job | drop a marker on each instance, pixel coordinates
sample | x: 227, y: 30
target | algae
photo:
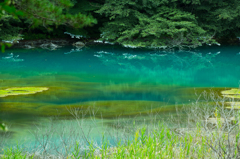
x: 21, y: 91
x: 106, y: 109
x: 232, y: 91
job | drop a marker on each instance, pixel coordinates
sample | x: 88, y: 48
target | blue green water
x: 115, y: 81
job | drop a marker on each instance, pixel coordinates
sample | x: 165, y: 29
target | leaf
x: 2, y: 126
x: 3, y: 48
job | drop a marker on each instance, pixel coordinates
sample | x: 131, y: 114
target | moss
x: 21, y: 91
x: 232, y: 91
x: 107, y: 109
x: 237, y: 96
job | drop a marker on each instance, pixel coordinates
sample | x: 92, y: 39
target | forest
x: 138, y: 23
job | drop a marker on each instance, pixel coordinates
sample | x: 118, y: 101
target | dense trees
x: 142, y: 23
x: 169, y: 23
x: 152, y: 23
x: 35, y: 13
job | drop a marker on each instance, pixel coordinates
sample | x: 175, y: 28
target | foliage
x: 152, y: 24
x: 8, y: 30
x: 38, y: 13
x: 220, y: 17
x: 146, y: 23
x: 45, y: 13
x: 162, y: 24
x: 15, y: 153
x: 2, y: 126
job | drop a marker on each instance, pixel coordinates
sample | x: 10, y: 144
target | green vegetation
x: 202, y: 131
x: 164, y: 24
x: 147, y: 23
x: 21, y: 91
x: 19, y: 16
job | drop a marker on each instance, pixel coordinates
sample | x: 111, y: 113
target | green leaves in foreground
x: 3, y: 46
x: 3, y: 126
x: 21, y: 91
x: 7, y: 7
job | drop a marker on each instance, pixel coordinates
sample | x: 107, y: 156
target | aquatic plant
x: 21, y: 91
x: 233, y: 93
x: 204, y: 131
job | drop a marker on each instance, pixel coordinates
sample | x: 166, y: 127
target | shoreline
x: 39, y: 42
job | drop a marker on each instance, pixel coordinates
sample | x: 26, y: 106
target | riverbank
x: 52, y: 44
x: 206, y: 132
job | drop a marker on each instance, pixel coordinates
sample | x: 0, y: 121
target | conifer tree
x: 45, y: 13
x: 168, y: 24
x: 151, y: 23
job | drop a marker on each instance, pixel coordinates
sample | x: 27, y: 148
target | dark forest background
x: 142, y: 23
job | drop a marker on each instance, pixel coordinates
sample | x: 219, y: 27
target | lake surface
x: 107, y: 82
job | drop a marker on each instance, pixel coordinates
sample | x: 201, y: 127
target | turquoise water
x: 112, y: 80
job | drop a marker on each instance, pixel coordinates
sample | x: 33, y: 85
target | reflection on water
x: 113, y: 81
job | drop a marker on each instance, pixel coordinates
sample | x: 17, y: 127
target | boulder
x: 49, y: 46
x: 79, y: 44
x: 28, y: 46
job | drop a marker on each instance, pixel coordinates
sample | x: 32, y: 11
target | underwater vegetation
x: 234, y: 95
x: 21, y: 91
x: 59, y: 93
x: 204, y: 130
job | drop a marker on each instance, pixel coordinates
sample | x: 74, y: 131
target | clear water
x: 111, y: 80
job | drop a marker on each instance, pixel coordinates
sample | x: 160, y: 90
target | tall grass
x: 203, y: 129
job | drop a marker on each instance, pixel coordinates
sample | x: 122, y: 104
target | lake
x: 105, y: 84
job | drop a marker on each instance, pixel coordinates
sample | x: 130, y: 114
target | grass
x: 204, y: 131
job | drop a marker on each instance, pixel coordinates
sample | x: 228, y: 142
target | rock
x: 49, y: 46
x: 53, y: 46
x: 28, y: 46
x: 79, y: 44
x: 43, y: 45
